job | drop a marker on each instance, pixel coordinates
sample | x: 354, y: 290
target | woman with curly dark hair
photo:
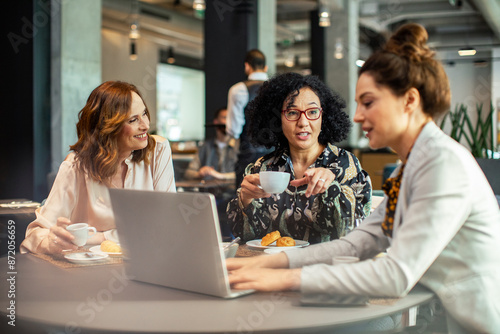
x: 114, y: 150
x: 302, y: 119
x: 438, y: 223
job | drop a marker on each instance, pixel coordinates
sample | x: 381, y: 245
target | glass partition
x: 180, y: 103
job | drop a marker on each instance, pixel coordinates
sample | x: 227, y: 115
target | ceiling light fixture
x: 170, y: 55
x: 199, y: 5
x: 468, y: 51
x: 133, y: 50
x: 134, y: 34
x: 134, y: 31
x: 324, y: 14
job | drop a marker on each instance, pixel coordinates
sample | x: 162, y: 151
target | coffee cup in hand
x: 82, y: 232
x: 274, y: 182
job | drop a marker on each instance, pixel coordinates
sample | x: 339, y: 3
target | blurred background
x: 184, y: 55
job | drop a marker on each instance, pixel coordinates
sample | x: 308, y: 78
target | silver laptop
x: 172, y: 239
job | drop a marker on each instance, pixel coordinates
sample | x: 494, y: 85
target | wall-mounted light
x: 199, y: 5
x: 289, y: 61
x: 468, y: 51
x: 133, y: 50
x: 324, y: 14
x: 170, y: 55
x: 339, y: 49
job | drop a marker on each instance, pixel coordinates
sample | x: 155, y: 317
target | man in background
x: 239, y: 96
x: 216, y: 158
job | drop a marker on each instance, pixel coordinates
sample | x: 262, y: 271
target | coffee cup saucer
x: 85, y: 257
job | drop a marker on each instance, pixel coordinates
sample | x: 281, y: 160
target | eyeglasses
x: 311, y: 114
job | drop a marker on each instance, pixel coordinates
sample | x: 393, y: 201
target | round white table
x: 100, y: 299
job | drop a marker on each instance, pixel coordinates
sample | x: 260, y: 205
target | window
x: 180, y: 103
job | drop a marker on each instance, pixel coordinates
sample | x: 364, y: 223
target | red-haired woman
x: 114, y: 150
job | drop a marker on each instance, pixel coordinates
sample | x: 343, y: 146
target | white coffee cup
x: 344, y: 259
x: 81, y: 232
x: 274, y: 182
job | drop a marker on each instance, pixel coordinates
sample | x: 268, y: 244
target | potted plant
x: 480, y: 139
x: 479, y: 136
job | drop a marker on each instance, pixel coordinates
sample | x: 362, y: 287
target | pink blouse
x: 82, y: 200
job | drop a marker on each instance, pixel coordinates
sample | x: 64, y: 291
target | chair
x: 491, y: 169
x: 388, y: 169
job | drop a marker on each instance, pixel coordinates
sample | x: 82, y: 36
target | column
x: 230, y: 31
x: 341, y: 53
x: 76, y: 68
x: 318, y: 47
x: 266, y: 29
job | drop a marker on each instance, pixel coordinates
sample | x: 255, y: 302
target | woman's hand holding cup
x: 250, y: 189
x: 59, y: 238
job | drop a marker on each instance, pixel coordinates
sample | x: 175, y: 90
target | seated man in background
x: 216, y: 160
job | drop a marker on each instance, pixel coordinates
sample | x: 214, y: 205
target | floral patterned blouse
x: 314, y: 219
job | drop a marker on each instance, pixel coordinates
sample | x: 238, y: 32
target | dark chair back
x: 388, y: 169
x: 491, y: 168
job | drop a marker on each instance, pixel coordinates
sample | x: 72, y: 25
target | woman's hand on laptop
x: 264, y: 279
x: 263, y: 273
x: 279, y: 260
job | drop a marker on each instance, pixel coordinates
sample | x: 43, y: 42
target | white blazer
x: 446, y: 237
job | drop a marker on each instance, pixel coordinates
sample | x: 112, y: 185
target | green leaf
x: 479, y: 135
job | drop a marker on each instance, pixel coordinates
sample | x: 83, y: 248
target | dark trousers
x: 222, y: 200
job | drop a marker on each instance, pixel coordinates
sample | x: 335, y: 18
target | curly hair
x: 264, y: 111
x: 99, y: 126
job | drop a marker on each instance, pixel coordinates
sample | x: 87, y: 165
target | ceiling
x: 451, y: 24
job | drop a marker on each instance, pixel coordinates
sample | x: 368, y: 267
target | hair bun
x: 410, y: 41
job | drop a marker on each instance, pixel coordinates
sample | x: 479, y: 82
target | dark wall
x: 25, y: 86
x: 16, y: 126
x: 230, y: 31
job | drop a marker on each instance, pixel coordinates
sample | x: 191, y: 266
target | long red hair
x: 98, y: 127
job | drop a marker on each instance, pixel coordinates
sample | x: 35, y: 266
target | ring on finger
x: 55, y: 239
x: 322, y: 180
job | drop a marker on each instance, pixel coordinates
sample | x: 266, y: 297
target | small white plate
x: 97, y: 250
x: 257, y: 244
x: 85, y: 257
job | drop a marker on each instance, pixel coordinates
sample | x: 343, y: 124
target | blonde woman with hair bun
x: 439, y: 222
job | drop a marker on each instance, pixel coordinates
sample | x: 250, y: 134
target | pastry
x: 109, y: 246
x: 285, y: 242
x: 270, y: 238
